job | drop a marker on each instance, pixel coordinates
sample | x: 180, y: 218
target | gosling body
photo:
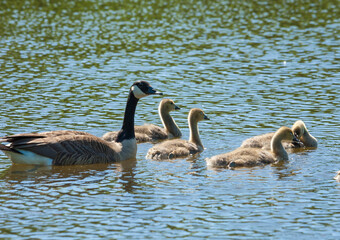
x: 249, y: 157
x: 179, y: 148
x: 299, y: 129
x: 151, y: 132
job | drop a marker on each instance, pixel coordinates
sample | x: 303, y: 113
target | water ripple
x: 252, y: 66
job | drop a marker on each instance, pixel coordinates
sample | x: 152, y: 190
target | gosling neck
x: 308, y: 140
x: 194, y: 133
x: 277, y: 148
x: 128, y: 131
x: 169, y: 123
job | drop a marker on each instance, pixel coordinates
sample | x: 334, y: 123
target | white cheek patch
x: 137, y: 92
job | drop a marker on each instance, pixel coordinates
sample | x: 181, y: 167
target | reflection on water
x: 63, y: 176
x: 253, y: 66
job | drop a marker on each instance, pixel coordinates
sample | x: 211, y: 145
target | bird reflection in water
x: 63, y: 176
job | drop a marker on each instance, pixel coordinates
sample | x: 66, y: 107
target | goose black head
x: 142, y: 89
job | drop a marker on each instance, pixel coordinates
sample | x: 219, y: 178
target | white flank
x: 28, y: 158
x: 137, y: 92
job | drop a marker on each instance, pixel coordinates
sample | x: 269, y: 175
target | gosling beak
x: 152, y: 91
x: 206, y: 117
x: 295, y: 139
x: 177, y: 108
x: 296, y: 142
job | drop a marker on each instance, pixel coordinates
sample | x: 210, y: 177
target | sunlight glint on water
x: 252, y: 67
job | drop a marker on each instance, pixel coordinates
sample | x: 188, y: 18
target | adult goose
x: 300, y: 131
x: 75, y: 147
x: 248, y: 157
x: 151, y: 132
x: 179, y: 148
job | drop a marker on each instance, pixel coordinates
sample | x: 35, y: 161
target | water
x: 251, y: 66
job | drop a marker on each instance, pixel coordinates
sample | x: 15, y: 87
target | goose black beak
x: 206, y: 117
x: 152, y: 91
x: 177, y: 108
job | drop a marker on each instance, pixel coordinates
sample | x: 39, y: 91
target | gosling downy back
x: 179, y: 148
x: 249, y: 157
x: 305, y: 139
x: 76, y: 147
x: 151, y: 132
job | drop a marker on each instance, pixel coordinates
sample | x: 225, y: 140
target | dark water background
x: 253, y: 66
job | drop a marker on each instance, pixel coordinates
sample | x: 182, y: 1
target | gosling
x: 151, y: 132
x: 249, y: 157
x: 300, y: 131
x: 180, y: 148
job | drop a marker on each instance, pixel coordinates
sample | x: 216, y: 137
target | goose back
x: 65, y: 148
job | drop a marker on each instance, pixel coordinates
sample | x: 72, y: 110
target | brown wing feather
x: 67, y: 147
x: 85, y: 150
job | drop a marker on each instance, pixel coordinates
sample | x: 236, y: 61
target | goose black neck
x: 128, y: 128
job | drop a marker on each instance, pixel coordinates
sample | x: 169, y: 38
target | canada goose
x: 75, y: 147
x: 300, y: 131
x: 247, y: 157
x: 176, y: 148
x: 151, y: 132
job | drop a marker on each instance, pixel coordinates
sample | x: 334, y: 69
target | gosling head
x: 198, y: 114
x: 299, y: 128
x: 142, y: 89
x: 287, y: 134
x: 168, y: 105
